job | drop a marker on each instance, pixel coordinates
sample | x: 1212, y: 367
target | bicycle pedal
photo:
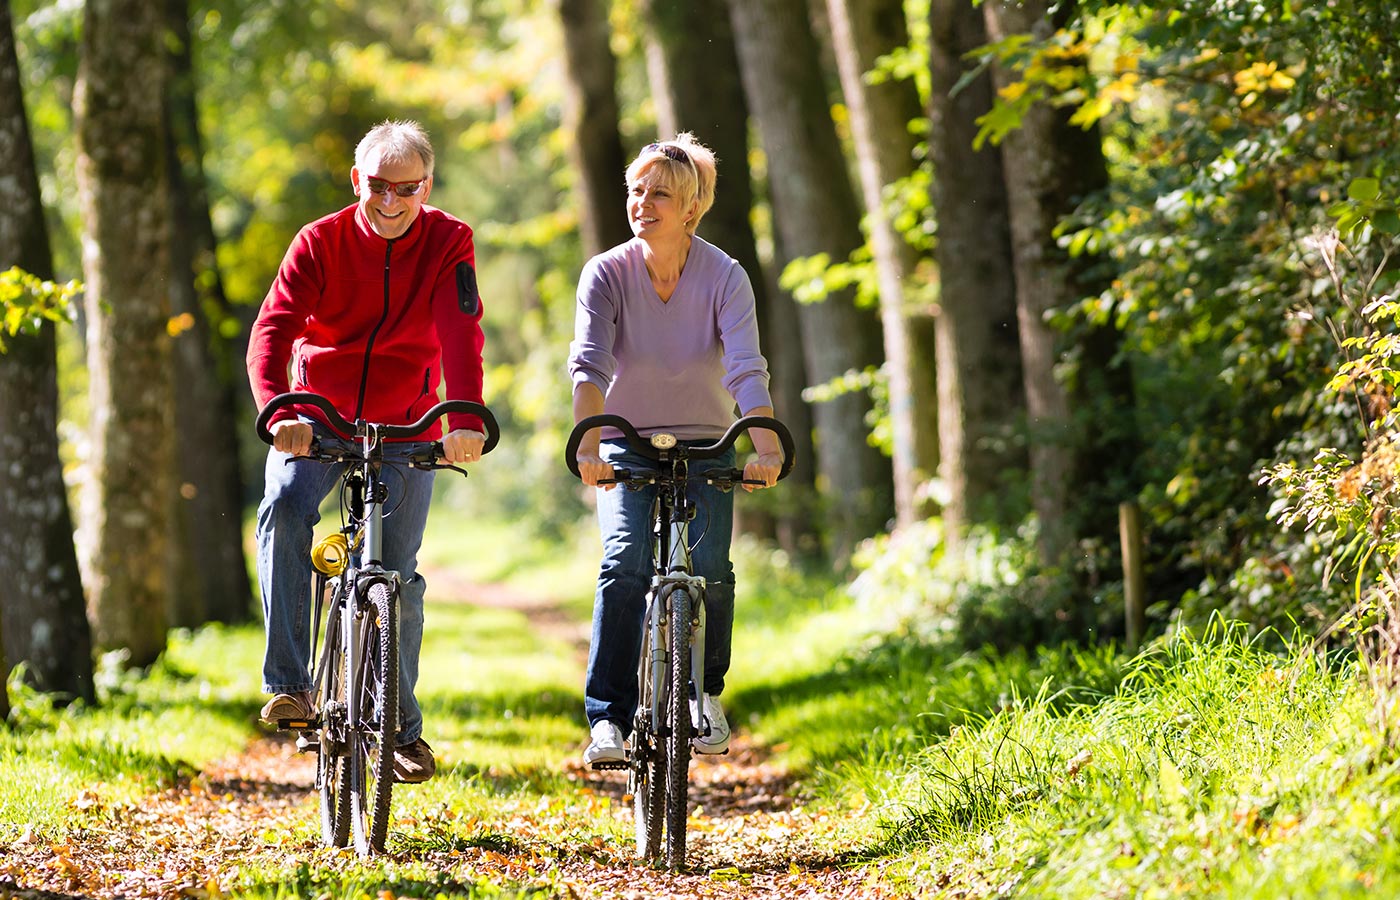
x: 610, y: 765
x: 295, y: 724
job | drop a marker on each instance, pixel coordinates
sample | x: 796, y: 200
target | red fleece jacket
x: 372, y: 324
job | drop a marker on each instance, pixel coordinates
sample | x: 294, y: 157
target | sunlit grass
x: 194, y: 706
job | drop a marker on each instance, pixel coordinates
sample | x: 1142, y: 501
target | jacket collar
x: 408, y: 239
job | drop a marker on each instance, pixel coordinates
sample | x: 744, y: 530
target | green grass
x: 1207, y: 766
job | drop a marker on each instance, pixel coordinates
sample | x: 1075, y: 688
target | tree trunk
x: 862, y: 31
x: 42, y: 614
x: 592, y: 116
x: 979, y: 373
x: 815, y: 211
x: 211, y: 572
x: 689, y: 36
x: 1051, y: 166
x: 123, y: 194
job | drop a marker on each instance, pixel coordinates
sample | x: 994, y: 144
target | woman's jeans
x: 287, y: 516
x: 624, y: 517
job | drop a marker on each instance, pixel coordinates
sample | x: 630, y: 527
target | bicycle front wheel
x: 332, y: 774
x: 371, y: 750
x: 647, y: 779
x: 677, y: 734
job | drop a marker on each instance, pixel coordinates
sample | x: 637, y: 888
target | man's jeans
x: 287, y: 516
x: 624, y: 517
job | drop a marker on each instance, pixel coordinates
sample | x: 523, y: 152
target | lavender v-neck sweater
x: 679, y: 366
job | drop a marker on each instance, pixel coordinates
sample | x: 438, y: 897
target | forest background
x: 1023, y: 269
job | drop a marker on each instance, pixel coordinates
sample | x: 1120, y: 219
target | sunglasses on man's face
x: 670, y: 151
x: 379, y: 185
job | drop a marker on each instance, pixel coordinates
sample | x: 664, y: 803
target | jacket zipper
x: 369, y: 345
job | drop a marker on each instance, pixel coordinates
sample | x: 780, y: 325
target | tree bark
x: 123, y: 194
x: 211, y: 571
x: 978, y: 358
x: 592, y: 117
x: 815, y: 211
x: 43, y: 621
x: 862, y: 31
x: 694, y: 72
x: 1052, y: 166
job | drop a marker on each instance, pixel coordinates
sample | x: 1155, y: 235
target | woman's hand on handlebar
x: 592, y: 469
x: 765, y: 468
x: 291, y: 436
x: 463, y: 445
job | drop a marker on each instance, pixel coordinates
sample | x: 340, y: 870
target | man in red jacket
x: 371, y: 306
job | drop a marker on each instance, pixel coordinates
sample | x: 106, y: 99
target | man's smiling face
x: 387, y: 213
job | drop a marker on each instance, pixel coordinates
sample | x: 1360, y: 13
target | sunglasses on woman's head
x: 670, y: 151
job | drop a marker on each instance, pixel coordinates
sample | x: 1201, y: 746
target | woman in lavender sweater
x: 665, y: 336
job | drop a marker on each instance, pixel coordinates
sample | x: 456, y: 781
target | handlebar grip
x: 276, y: 404
x: 634, y: 440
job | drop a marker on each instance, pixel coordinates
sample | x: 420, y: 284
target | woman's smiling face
x: 654, y: 211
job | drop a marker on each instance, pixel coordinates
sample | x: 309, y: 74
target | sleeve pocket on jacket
x: 468, y: 298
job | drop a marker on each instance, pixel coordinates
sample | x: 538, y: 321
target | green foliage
x: 993, y: 593
x: 1215, y: 768
x: 26, y: 302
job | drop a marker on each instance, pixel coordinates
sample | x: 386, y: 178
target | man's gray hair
x: 397, y: 142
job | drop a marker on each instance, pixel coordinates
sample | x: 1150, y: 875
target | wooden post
x: 1130, y: 535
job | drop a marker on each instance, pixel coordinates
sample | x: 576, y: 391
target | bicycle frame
x: 671, y: 568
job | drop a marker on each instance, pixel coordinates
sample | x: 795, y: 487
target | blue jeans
x: 287, y: 517
x: 619, y: 606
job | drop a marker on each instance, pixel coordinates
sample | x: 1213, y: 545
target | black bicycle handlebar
x: 344, y: 426
x: 709, y: 451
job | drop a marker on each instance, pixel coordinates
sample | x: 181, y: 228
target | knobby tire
x: 648, y: 775
x: 332, y: 775
x: 372, y: 744
x: 677, y: 728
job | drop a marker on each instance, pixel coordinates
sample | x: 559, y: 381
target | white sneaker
x: 606, y: 749
x: 717, y: 741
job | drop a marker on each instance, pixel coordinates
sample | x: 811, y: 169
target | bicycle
x: 356, y: 682
x: 671, y: 666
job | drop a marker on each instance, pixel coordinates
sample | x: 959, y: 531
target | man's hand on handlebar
x: 463, y: 445
x: 291, y: 436
x: 765, y: 468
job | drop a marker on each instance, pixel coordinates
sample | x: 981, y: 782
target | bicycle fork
x: 659, y: 625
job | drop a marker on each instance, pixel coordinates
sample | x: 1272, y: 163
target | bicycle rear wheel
x: 332, y: 777
x: 371, y: 740
x: 677, y: 735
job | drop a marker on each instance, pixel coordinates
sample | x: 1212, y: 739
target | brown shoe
x: 287, y: 707
x: 414, y: 763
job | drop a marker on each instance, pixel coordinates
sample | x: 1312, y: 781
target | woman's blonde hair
x: 682, y: 165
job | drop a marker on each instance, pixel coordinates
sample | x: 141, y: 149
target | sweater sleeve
x: 591, y: 358
x: 745, y: 369
x: 457, y: 316
x: 282, y: 319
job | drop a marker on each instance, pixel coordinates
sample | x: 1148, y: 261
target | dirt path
x: 748, y: 837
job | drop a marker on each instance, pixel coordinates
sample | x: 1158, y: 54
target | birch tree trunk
x: 815, y: 211
x: 979, y: 369
x: 123, y: 193
x: 43, y: 622
x: 862, y: 31
x: 211, y: 570
x: 694, y: 72
x: 592, y: 117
